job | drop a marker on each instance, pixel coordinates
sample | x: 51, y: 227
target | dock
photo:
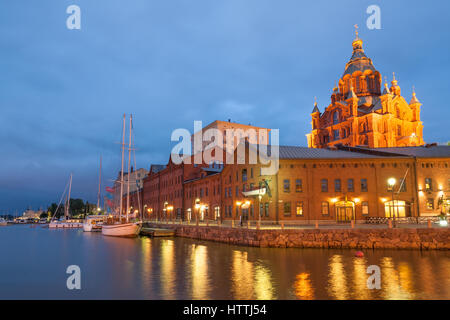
x: 157, y: 232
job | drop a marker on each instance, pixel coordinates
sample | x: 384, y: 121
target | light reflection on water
x: 34, y: 260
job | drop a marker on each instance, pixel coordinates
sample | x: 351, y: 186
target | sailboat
x: 123, y: 227
x: 66, y: 223
x: 95, y: 222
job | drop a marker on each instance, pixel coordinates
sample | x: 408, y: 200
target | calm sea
x: 33, y: 263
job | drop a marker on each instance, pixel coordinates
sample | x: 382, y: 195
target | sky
x: 63, y: 92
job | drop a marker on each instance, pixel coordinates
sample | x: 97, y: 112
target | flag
x: 109, y: 189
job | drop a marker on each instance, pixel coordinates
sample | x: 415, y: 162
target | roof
x: 155, y: 168
x: 420, y: 152
x: 294, y: 152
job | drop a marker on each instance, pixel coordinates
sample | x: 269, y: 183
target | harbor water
x: 34, y: 261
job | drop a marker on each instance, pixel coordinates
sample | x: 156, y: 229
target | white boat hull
x: 121, y: 230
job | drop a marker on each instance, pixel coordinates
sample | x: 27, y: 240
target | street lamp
x: 391, y: 183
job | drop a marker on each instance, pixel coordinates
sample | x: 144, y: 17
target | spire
x: 316, y: 109
x: 335, y: 88
x: 357, y: 43
x: 395, y: 88
x: 414, y: 99
x: 351, y: 93
x: 394, y: 81
x: 386, y: 88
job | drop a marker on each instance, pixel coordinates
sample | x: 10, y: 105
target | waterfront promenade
x: 422, y: 236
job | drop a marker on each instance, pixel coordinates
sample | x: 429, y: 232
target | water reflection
x: 199, y: 271
x: 337, y: 279
x: 168, y: 269
x: 177, y: 268
x: 303, y: 287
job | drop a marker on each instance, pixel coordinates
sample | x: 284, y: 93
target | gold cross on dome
x: 356, y: 30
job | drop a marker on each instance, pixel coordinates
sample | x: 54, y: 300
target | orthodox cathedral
x: 360, y: 114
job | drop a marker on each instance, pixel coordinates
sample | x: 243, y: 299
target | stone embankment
x: 407, y: 238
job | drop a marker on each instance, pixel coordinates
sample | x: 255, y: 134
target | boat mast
x: 129, y: 173
x: 121, y: 171
x: 99, y: 183
x: 68, y: 197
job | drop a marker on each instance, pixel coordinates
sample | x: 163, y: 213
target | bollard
x: 429, y: 223
x: 390, y: 224
x: 353, y: 224
x: 282, y: 225
x: 317, y: 224
x: 257, y: 225
x: 248, y: 224
x: 207, y: 223
x: 232, y: 223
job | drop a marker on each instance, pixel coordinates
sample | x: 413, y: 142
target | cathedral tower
x: 360, y: 114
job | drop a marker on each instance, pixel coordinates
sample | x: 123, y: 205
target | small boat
x: 3, y: 222
x: 94, y: 223
x: 130, y: 229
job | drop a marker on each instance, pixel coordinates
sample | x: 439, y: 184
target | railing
x: 306, y: 224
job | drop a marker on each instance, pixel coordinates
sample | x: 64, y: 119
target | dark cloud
x: 62, y: 92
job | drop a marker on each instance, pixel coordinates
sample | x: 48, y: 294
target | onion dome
x: 359, y: 60
x: 414, y: 99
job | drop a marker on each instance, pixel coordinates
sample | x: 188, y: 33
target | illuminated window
x: 298, y: 185
x: 325, y: 208
x: 430, y: 204
x: 266, y: 209
x: 428, y: 184
x: 287, y: 208
x: 299, y: 208
x: 365, y: 207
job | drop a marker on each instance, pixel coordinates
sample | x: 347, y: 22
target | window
x: 237, y: 191
x: 430, y: 204
x: 325, y: 208
x: 336, y: 117
x: 299, y: 209
x: 298, y: 185
x: 201, y: 192
x: 365, y: 207
x: 251, y: 172
x: 206, y: 191
x: 266, y: 209
x: 286, y: 185
x: 244, y: 175
x: 336, y: 135
x: 364, y: 187
x: 251, y: 210
x: 237, y: 175
x: 350, y: 185
x: 261, y: 209
x: 337, y: 185
x: 237, y: 211
x: 428, y: 184
x: 324, y: 185
x: 244, y: 187
x: 287, y: 209
x: 399, y: 130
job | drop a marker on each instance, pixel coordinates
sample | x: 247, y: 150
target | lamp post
x: 391, y: 183
x: 259, y: 210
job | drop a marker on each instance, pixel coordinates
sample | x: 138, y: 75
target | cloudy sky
x: 63, y: 92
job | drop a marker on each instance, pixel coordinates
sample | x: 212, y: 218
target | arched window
x: 336, y: 117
